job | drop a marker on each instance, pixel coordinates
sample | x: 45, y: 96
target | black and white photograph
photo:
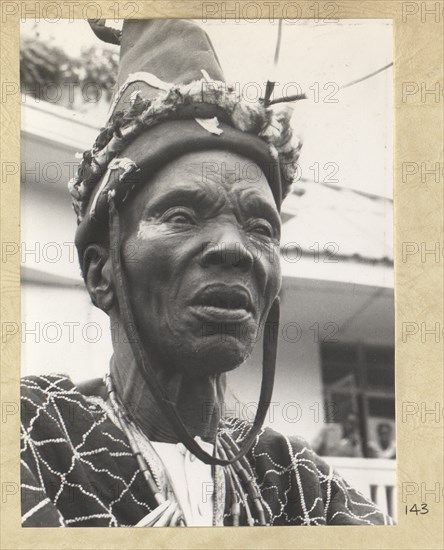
x: 207, y: 286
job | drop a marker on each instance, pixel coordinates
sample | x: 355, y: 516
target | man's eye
x: 261, y: 227
x: 180, y: 217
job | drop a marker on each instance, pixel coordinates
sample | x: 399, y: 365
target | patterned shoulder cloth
x: 302, y: 489
x: 78, y: 469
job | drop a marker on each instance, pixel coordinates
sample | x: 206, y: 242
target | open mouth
x: 224, y: 303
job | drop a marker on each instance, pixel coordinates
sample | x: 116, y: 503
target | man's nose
x: 227, y: 251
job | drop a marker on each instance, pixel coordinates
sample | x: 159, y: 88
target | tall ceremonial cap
x: 171, y: 99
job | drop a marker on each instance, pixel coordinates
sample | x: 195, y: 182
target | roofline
x: 58, y: 111
x: 307, y: 182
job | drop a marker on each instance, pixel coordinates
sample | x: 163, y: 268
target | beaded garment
x: 78, y: 469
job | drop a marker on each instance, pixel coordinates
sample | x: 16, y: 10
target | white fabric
x: 191, y: 479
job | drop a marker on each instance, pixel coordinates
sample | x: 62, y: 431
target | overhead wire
x: 366, y: 77
x: 298, y: 97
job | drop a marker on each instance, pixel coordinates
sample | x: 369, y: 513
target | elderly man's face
x: 200, y: 249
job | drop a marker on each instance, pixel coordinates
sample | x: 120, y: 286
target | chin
x: 214, y: 356
x: 228, y: 357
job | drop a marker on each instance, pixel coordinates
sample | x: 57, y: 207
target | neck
x: 199, y: 400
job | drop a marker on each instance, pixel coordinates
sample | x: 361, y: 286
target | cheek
x: 146, y: 266
x: 149, y: 230
x: 154, y: 266
x: 151, y: 250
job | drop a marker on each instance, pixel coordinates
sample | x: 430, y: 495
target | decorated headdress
x: 172, y: 99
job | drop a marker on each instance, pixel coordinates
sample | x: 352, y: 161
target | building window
x: 358, y: 382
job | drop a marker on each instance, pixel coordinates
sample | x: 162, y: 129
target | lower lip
x: 221, y: 315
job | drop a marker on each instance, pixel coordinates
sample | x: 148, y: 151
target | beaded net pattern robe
x: 78, y: 469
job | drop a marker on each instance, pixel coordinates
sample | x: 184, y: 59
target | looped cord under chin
x: 158, y: 391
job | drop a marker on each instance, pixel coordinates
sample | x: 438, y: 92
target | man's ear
x: 98, y: 277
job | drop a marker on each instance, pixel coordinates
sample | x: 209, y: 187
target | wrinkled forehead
x: 204, y: 175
